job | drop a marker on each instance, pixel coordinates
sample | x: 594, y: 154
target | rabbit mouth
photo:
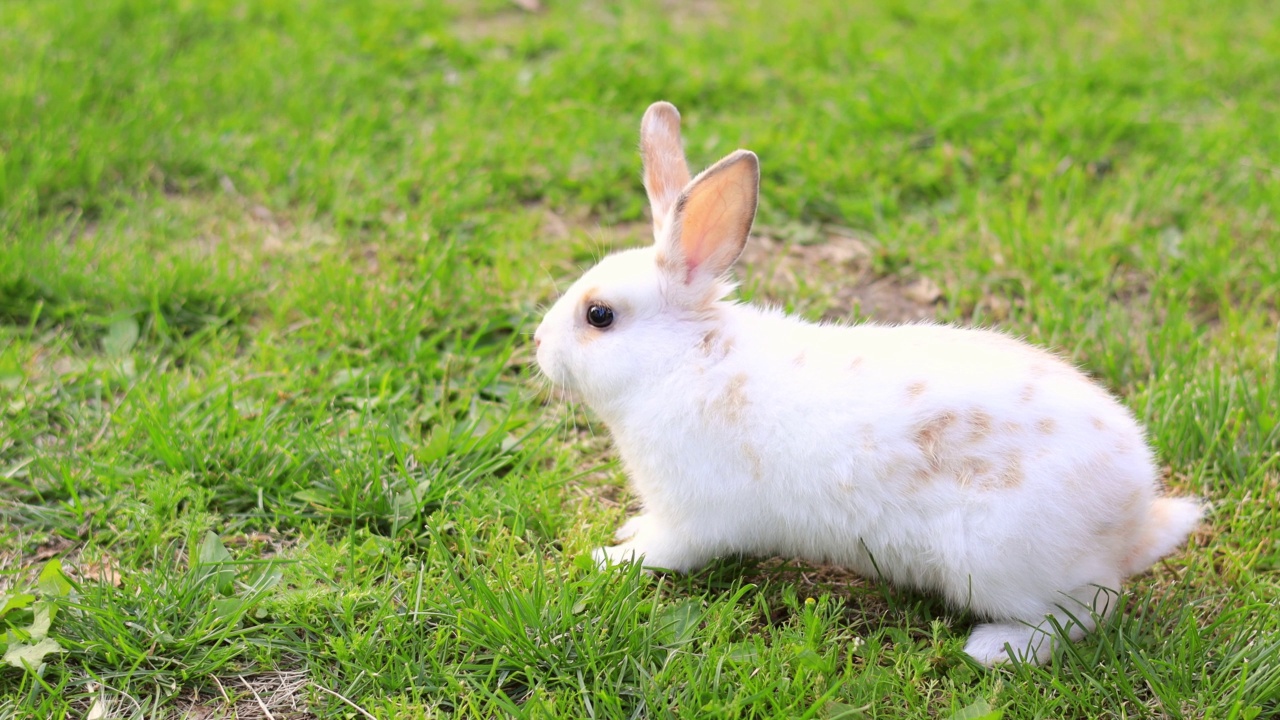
x: 555, y: 372
x: 548, y: 368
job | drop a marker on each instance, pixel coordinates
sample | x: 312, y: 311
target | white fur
x: 959, y: 461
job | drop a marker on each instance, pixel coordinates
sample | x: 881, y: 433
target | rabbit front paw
x: 998, y: 643
x: 616, y: 555
x: 645, y: 543
x: 631, y: 528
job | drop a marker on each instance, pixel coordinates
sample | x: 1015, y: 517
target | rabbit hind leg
x: 1075, y: 615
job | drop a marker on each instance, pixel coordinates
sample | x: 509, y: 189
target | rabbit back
x: 927, y: 454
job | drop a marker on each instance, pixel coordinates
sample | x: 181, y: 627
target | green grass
x: 269, y: 270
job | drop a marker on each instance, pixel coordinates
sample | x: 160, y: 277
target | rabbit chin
x: 605, y: 378
x: 583, y: 373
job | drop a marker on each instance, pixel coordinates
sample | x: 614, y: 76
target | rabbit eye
x: 599, y: 316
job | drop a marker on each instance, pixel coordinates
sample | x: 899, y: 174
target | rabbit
x: 957, y: 461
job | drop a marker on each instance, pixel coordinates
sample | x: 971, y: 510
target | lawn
x: 272, y: 443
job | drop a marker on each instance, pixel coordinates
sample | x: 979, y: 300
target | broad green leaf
x: 743, y: 652
x: 435, y: 447
x: 319, y: 498
x: 679, y: 622
x: 842, y: 711
x: 812, y: 660
x: 213, y: 552
x: 121, y: 336
x: 584, y: 562
x: 22, y: 655
x: 228, y: 608
x: 14, y: 602
x: 52, y: 582
x: 41, y: 618
x: 408, y: 502
x: 266, y: 578
x: 979, y: 710
x: 44, y: 612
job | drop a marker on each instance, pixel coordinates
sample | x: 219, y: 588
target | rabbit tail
x: 1169, y: 523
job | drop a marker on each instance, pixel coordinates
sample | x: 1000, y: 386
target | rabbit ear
x: 665, y: 170
x: 712, y: 220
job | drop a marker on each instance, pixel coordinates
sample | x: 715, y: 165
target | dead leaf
x: 54, y: 546
x: 104, y: 570
x: 923, y: 290
x: 21, y: 655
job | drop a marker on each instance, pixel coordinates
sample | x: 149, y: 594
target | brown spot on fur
x: 1076, y: 478
x: 1010, y: 427
x: 911, y: 468
x: 708, y: 345
x: 971, y: 468
x: 921, y: 477
x: 709, y: 341
x: 868, y: 438
x: 1097, y: 423
x: 979, y: 424
x: 800, y: 359
x: 1010, y: 475
x: 928, y: 437
x: 665, y: 263
x: 1039, y: 370
x: 707, y: 303
x: 1028, y: 392
x: 753, y: 459
x: 732, y: 401
x: 847, y: 487
x: 916, y: 389
x: 855, y: 363
x: 1046, y: 426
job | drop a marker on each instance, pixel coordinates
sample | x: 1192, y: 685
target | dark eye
x: 599, y: 316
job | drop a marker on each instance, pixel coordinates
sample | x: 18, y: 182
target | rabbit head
x: 638, y: 310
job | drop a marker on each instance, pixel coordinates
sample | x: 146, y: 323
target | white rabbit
x: 958, y: 461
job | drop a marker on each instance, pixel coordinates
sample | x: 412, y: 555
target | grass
x: 269, y: 271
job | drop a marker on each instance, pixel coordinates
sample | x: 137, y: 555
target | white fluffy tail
x: 1170, y: 522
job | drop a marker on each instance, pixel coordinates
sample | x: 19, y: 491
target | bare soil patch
x: 264, y: 696
x: 511, y: 22
x: 836, y: 273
